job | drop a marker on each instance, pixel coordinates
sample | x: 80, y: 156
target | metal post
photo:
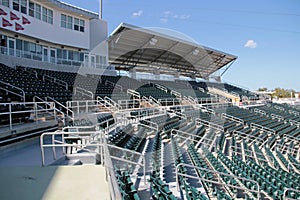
x: 10, y: 117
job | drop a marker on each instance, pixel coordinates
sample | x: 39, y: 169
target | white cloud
x: 250, y: 44
x: 170, y: 15
x: 164, y: 20
x: 137, y: 14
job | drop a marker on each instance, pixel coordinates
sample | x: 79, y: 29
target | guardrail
x: 34, y: 108
x: 115, y: 85
x: 230, y: 117
x: 69, y: 113
x: 215, y: 182
x: 134, y: 93
x: 289, y: 189
x: 84, y: 92
x: 210, y: 124
x: 17, y: 88
x: 56, y: 81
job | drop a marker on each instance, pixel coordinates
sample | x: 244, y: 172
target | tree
x: 283, y: 93
x: 263, y: 89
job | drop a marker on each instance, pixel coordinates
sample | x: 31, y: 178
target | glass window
x: 63, y: 21
x: 47, y: 15
x: 70, y: 56
x: 23, y: 6
x: 64, y: 54
x: 59, y: 53
x: 34, y: 10
x: 31, y: 9
x: 69, y: 22
x: 38, y: 49
x: 16, y: 5
x: 44, y: 14
x: 4, y: 3
x: 78, y: 25
x: 82, y: 25
x: 81, y: 56
x: 32, y: 47
x: 37, y: 13
x: 19, y: 44
x: 50, y: 16
x: 26, y: 46
x: 76, y: 56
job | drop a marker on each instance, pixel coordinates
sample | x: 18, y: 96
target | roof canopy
x: 145, y: 50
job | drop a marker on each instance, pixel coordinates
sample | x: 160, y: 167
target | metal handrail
x: 55, y: 80
x: 210, y: 124
x: 23, y: 96
x: 289, y: 189
x: 84, y: 92
x: 134, y: 93
x: 112, y: 102
x: 68, y: 110
x: 216, y: 182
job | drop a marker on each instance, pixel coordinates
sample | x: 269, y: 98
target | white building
x: 60, y: 35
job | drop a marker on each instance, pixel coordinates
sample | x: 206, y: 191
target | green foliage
x: 263, y: 89
x: 283, y: 93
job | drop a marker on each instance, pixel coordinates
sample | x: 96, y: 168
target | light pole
x: 101, y: 9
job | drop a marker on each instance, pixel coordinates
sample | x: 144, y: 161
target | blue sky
x: 264, y: 34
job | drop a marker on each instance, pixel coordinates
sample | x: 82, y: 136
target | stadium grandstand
x: 131, y: 115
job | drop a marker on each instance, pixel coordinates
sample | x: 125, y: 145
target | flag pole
x: 100, y: 11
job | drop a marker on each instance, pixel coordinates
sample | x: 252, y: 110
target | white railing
x: 177, y: 94
x: 293, y: 122
x: 232, y: 118
x: 115, y: 85
x: 17, y: 88
x: 163, y: 88
x: 196, y: 168
x: 210, y: 124
x: 31, y: 111
x: 134, y: 93
x: 169, y: 102
x: 111, y: 102
x: 268, y: 130
x: 273, y: 116
x: 56, y: 81
x: 83, y: 106
x: 69, y: 113
x: 256, y: 110
x: 84, y: 92
x: 129, y: 103
x: 156, y: 102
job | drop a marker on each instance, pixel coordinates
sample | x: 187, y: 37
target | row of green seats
x: 237, y: 171
x: 160, y: 190
x: 127, y: 188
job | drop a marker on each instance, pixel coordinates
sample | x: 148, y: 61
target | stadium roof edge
x: 75, y: 9
x: 147, y: 30
x: 142, y: 48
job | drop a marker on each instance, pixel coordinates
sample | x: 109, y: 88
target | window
x: 20, y: 5
x: 34, y: 10
x: 66, y: 21
x: 19, y: 44
x: 72, y: 23
x: 101, y: 60
x: 23, y: 6
x: 78, y: 25
x: 16, y: 5
x: 47, y: 15
x: 4, y: 3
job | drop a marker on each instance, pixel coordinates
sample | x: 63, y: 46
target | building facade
x: 52, y: 32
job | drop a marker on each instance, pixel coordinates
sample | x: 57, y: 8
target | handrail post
x: 10, y: 117
x: 42, y: 149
